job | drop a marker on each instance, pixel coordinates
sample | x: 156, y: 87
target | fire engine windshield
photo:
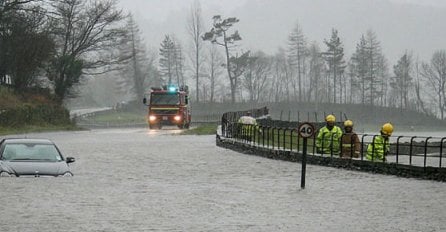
x: 165, y: 99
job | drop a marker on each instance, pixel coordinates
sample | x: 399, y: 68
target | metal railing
x: 402, y: 150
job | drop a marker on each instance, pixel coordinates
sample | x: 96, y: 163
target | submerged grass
x: 204, y: 129
x: 117, y: 117
x: 34, y: 128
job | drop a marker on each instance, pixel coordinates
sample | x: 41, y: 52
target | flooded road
x: 141, y: 180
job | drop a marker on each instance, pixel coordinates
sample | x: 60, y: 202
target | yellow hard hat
x: 348, y: 123
x: 387, y: 129
x: 330, y: 118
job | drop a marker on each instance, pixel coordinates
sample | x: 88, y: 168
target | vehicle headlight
x: 177, y: 118
x: 67, y: 174
x: 152, y: 118
x: 5, y: 174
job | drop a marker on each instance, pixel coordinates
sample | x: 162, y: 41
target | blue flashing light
x: 172, y: 89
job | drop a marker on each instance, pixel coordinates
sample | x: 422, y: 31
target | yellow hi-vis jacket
x: 327, y: 140
x: 248, y: 123
x: 377, y: 149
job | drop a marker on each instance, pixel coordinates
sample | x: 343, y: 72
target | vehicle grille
x: 161, y: 111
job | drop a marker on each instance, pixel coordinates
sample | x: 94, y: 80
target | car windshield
x: 165, y: 99
x: 43, y: 152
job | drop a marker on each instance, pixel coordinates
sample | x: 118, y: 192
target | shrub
x: 30, y: 109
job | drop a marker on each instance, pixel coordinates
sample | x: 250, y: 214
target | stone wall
x: 430, y: 173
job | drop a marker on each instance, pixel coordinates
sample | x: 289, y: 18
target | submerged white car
x: 32, y: 157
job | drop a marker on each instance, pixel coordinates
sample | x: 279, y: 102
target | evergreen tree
x: 374, y: 58
x: 370, y: 70
x: 178, y: 63
x: 335, y: 59
x: 297, y: 52
x: 235, y: 65
x: 167, y: 59
x: 354, y: 85
x: 134, y: 74
x: 360, y: 67
x: 316, y: 67
x: 384, y: 76
x: 25, y: 43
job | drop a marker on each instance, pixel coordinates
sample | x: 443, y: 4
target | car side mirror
x: 70, y: 160
x: 144, y: 101
x: 186, y: 100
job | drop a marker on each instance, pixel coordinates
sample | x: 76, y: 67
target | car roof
x: 27, y: 140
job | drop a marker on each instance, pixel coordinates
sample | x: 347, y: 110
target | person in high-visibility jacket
x: 248, y: 126
x: 327, y: 140
x: 380, y: 146
x: 350, y: 142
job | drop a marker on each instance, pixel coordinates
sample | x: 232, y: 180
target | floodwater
x: 141, y: 180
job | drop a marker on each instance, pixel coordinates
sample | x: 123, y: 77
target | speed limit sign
x: 306, y: 130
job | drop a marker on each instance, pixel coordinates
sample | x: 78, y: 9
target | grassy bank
x: 119, y: 117
x: 33, y: 110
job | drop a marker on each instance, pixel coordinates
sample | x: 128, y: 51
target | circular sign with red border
x: 306, y: 130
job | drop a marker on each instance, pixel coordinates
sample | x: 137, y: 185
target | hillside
x: 365, y: 117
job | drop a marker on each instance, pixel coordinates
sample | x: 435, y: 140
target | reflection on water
x: 165, y: 130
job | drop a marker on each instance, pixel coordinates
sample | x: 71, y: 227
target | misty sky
x: 414, y: 25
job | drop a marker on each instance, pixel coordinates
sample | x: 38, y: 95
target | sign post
x: 306, y: 130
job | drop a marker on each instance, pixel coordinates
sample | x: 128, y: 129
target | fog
x: 413, y: 25
x: 400, y: 27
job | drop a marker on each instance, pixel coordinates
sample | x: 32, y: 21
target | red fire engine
x: 168, y: 105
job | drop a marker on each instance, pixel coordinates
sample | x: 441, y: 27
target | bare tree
x: 214, y: 65
x: 435, y: 75
x: 255, y: 76
x: 14, y: 5
x: 195, y: 29
x: 418, y: 88
x: 86, y: 34
x: 402, y: 80
x: 277, y: 84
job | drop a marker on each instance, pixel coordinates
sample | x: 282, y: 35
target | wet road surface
x: 141, y: 180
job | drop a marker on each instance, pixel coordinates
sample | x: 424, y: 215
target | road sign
x: 306, y: 130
